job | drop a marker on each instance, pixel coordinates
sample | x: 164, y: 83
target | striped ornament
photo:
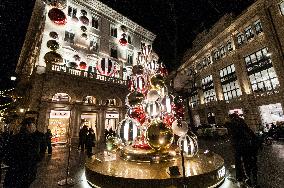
x: 128, y: 130
x: 153, y: 109
x: 106, y: 67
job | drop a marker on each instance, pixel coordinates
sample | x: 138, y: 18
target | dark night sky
x: 192, y: 17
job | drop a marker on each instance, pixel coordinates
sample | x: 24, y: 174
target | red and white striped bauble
x: 139, y: 83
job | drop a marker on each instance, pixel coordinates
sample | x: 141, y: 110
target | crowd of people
x: 87, y: 139
x: 21, y: 151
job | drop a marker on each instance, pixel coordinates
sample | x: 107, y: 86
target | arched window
x: 111, y: 102
x: 61, y: 97
x: 89, y: 100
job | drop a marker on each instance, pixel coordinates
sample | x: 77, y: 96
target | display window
x: 112, y: 119
x: 58, y: 124
x: 271, y: 113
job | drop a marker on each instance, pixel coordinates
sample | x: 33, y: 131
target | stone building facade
x: 238, y: 67
x: 74, y: 65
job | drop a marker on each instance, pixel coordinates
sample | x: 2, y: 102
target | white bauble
x: 180, y: 127
x: 153, y: 95
x: 188, y: 145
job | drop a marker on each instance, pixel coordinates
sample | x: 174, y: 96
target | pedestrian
x: 48, y: 136
x: 82, y: 137
x: 40, y: 138
x: 22, y: 156
x: 91, y: 138
x: 245, y: 144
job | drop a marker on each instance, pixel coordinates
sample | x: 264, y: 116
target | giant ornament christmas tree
x: 154, y: 125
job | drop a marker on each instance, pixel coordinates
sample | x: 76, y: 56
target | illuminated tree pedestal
x: 109, y: 170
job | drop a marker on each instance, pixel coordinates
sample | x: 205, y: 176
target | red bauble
x: 130, y: 85
x: 137, y: 113
x: 84, y: 20
x: 83, y: 65
x: 178, y: 110
x: 57, y: 16
x: 169, y: 119
x: 123, y: 41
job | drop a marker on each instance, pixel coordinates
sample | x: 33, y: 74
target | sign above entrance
x: 59, y: 114
x: 112, y: 115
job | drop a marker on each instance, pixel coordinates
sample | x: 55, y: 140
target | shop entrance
x: 90, y: 120
x: 238, y: 111
x: 58, y: 124
x: 271, y: 113
x: 112, y: 119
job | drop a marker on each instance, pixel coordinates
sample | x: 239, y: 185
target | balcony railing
x: 81, y: 73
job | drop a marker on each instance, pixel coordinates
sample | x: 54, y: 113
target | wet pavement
x: 271, y: 166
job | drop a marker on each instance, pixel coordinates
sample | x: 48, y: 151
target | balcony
x: 83, y: 74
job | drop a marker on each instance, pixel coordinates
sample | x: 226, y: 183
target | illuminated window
x: 129, y: 57
x: 113, y: 31
x: 110, y: 102
x: 208, y: 89
x: 241, y: 39
x: 229, y: 46
x: 216, y: 55
x: 229, y: 82
x: 69, y: 37
x: 258, y: 27
x: 94, y: 43
x: 89, y: 100
x: 260, y: 71
x: 61, y: 97
x: 72, y: 11
x: 95, y: 22
x: 222, y: 51
x: 249, y: 33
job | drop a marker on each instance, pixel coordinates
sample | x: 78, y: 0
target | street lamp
x: 13, y: 78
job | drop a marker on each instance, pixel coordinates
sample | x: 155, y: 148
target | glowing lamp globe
x: 128, y: 130
x: 180, y: 127
x: 188, y: 145
x: 82, y: 65
x: 159, y: 136
x: 57, y: 16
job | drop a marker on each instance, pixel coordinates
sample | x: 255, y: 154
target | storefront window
x: 272, y: 113
x: 90, y: 120
x: 112, y: 119
x: 59, y: 124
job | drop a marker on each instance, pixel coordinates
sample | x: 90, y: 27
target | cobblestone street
x: 271, y: 165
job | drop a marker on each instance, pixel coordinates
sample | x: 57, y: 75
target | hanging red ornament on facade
x: 178, y: 110
x: 106, y: 67
x: 83, y: 65
x: 168, y: 119
x: 123, y: 41
x: 57, y: 16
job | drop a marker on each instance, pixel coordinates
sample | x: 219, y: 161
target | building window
x: 222, y: 51
x: 129, y: 39
x: 216, y: 55
x: 261, y: 72
x: 61, y: 97
x: 72, y: 11
x: 94, y: 44
x: 249, y: 33
x: 281, y: 6
x: 69, y: 37
x: 194, y: 100
x: 113, y: 52
x: 229, y: 46
x: 229, y: 82
x: 208, y: 89
x: 129, y: 58
x: 113, y: 31
x: 241, y: 39
x: 258, y: 27
x: 95, y: 22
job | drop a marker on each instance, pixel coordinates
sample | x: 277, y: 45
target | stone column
x: 42, y: 122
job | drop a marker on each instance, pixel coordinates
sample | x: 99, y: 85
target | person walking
x: 91, y: 138
x: 82, y: 137
x: 48, y: 136
x: 245, y: 145
x: 22, y: 157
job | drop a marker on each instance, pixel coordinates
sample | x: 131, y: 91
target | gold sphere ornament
x: 159, y: 136
x: 158, y: 81
x: 188, y: 145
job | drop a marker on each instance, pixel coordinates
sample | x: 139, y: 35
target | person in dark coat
x: 82, y: 137
x: 245, y: 146
x: 48, y: 136
x: 40, y: 138
x: 91, y: 138
x: 22, y: 157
